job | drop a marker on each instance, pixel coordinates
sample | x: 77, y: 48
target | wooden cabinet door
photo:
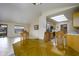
x: 76, y: 43
x: 76, y: 19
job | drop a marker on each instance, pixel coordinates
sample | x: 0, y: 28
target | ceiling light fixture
x: 59, y: 18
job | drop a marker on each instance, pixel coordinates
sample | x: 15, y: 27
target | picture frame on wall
x: 36, y: 27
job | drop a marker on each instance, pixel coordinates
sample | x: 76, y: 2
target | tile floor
x: 6, y: 48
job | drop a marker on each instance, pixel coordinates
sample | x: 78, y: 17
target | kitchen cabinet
x: 76, y: 19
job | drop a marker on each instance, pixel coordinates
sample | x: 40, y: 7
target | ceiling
x: 27, y: 12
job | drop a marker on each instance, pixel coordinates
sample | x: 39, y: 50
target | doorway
x: 64, y: 28
x: 3, y: 30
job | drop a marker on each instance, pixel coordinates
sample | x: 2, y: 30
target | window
x: 3, y: 30
x: 18, y: 29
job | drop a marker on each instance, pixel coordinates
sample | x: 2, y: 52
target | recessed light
x: 59, y: 18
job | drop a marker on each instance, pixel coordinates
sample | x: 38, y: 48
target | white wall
x: 41, y: 21
x: 11, y: 25
x: 34, y: 33
x: 42, y: 26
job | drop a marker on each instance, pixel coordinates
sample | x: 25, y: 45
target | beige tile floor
x: 6, y: 48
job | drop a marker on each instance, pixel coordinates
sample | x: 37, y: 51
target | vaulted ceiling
x: 27, y: 12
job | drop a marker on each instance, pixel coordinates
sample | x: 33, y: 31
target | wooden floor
x: 35, y: 47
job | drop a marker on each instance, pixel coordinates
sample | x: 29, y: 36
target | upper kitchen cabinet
x: 76, y: 19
